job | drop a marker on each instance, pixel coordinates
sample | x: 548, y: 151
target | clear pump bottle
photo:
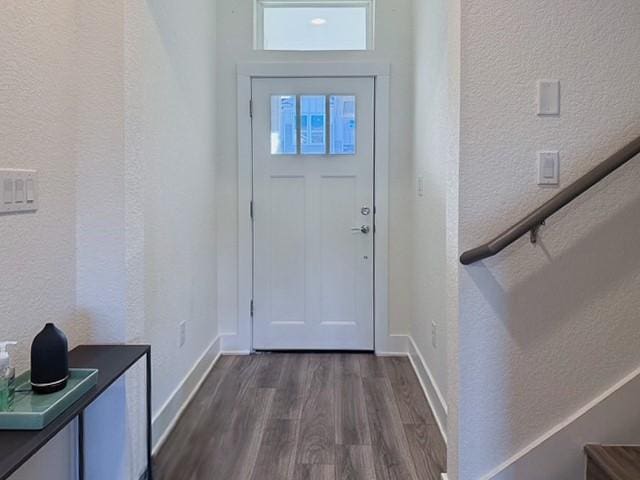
x: 7, y: 378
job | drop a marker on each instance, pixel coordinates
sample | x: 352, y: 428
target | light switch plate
x: 548, y: 168
x: 548, y: 97
x: 19, y: 191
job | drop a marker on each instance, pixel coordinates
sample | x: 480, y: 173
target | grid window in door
x: 309, y: 133
x: 343, y: 124
x: 313, y: 124
x: 284, y: 131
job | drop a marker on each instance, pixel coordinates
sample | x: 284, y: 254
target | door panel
x: 287, y: 253
x: 313, y: 175
x: 338, y: 250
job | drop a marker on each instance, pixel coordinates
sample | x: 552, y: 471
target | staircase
x: 613, y: 462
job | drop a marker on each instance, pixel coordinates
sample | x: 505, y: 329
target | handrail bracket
x: 533, y: 235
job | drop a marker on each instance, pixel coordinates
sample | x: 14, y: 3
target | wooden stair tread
x: 619, y: 462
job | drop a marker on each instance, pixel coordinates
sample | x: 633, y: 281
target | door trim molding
x: 241, y: 340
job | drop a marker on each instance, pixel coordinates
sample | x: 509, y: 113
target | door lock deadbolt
x: 365, y: 211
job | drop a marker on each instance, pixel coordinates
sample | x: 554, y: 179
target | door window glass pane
x: 284, y: 132
x: 313, y: 124
x: 343, y: 124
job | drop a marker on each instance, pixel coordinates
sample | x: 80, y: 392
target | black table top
x: 112, y: 361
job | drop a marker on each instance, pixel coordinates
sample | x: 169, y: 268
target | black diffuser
x: 49, y: 360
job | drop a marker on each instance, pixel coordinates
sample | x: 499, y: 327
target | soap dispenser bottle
x: 7, y: 378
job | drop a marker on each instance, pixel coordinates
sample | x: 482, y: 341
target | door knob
x: 363, y: 229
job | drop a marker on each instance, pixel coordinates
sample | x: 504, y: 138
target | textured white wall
x: 37, y: 125
x: 452, y: 214
x: 431, y: 137
x: 99, y: 150
x: 393, y: 45
x: 108, y: 233
x: 545, y: 329
x: 113, y: 103
x: 37, y: 256
x: 170, y: 85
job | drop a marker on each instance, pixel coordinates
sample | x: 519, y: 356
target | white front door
x: 313, y: 171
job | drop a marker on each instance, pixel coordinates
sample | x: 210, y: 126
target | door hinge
x: 251, y: 209
x: 251, y: 308
x: 250, y: 108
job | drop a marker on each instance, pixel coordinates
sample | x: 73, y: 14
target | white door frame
x: 241, y: 341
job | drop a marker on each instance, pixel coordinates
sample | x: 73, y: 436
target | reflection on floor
x: 306, y: 416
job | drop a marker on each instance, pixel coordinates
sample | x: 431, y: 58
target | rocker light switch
x: 19, y: 198
x: 7, y: 191
x: 19, y: 191
x: 30, y: 186
x: 548, y: 168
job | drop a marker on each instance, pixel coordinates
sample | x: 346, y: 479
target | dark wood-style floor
x: 306, y: 417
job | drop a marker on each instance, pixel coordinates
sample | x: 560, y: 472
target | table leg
x: 81, y: 445
x: 149, y: 432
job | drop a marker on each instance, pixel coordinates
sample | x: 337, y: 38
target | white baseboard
x: 429, y: 386
x: 236, y: 352
x: 611, y: 418
x: 445, y: 476
x: 166, y: 418
x: 392, y: 346
x: 234, y: 344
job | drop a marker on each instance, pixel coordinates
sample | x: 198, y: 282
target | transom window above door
x: 314, y: 25
x: 306, y: 124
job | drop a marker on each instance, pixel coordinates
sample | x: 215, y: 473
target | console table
x: 112, y: 361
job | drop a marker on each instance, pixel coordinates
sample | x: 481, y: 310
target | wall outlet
x: 183, y: 333
x: 434, y: 334
x: 420, y: 186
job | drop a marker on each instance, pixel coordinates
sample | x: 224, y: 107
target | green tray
x: 34, y: 412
